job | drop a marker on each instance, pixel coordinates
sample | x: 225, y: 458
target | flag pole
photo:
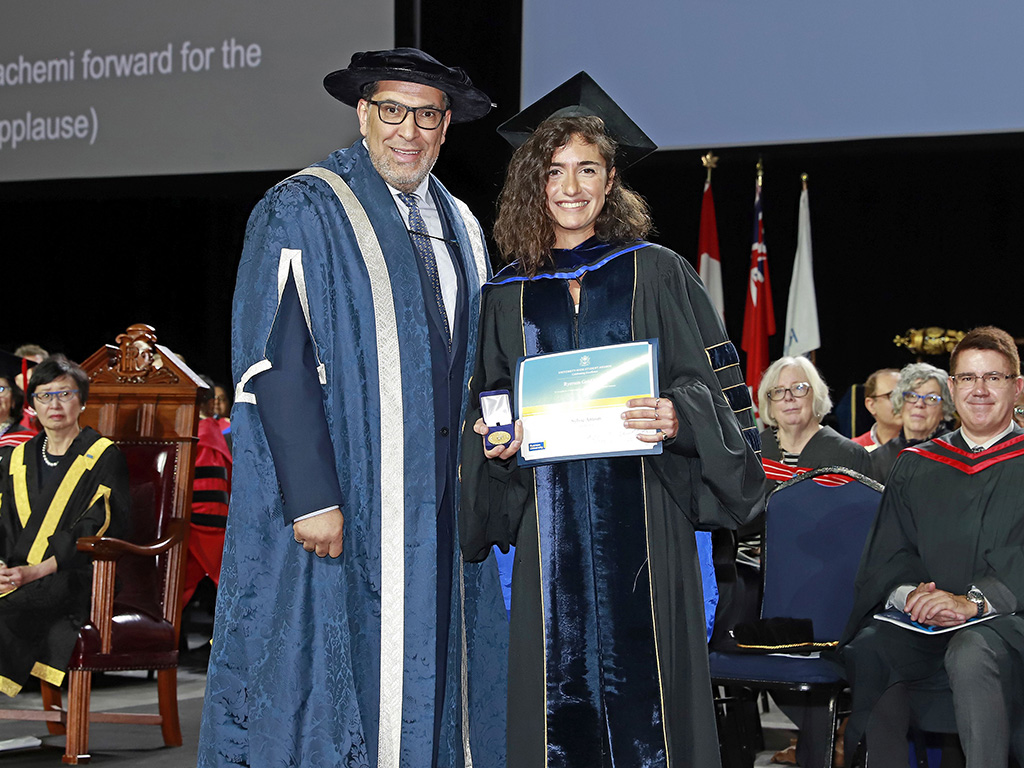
x: 710, y: 161
x: 813, y: 354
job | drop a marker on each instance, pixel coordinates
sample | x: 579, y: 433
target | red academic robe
x: 210, y: 494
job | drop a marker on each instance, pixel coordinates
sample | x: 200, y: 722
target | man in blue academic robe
x: 348, y: 631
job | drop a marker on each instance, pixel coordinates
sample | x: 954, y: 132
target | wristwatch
x: 975, y: 596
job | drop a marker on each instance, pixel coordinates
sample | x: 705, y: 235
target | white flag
x: 802, y: 335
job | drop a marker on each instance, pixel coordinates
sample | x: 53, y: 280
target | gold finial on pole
x: 760, y: 171
x: 710, y: 161
x: 803, y: 179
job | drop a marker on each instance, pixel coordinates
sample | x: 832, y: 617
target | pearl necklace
x: 46, y: 459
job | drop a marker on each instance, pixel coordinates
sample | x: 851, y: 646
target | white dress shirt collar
x: 446, y: 274
x: 989, y: 443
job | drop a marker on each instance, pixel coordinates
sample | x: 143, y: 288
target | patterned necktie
x: 425, y: 250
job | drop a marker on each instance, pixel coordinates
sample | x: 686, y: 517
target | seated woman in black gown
x: 925, y: 406
x: 608, y: 661
x: 65, y: 483
x: 12, y: 403
x: 793, y: 399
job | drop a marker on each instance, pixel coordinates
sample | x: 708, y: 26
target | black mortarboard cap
x: 10, y: 365
x: 577, y: 96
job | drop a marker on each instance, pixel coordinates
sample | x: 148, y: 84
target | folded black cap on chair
x: 779, y: 634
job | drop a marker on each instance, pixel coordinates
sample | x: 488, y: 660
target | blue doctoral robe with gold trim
x: 608, y: 661
x: 296, y: 672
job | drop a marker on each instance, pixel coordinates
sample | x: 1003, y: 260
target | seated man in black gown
x: 948, y: 549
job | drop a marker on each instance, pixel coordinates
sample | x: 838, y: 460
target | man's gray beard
x: 401, y: 183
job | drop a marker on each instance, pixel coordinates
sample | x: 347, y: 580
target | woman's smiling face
x: 578, y: 181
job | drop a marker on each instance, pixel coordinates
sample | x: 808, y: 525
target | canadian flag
x: 709, y: 263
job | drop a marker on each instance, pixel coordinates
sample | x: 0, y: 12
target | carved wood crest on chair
x: 144, y: 398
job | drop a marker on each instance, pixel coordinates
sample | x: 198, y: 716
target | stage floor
x: 138, y: 744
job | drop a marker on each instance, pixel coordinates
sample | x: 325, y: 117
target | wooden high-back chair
x: 144, y: 398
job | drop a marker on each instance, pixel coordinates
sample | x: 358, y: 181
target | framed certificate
x: 571, y: 403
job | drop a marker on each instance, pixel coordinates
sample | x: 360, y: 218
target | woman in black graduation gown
x: 65, y: 483
x: 794, y: 399
x: 12, y: 403
x: 923, y: 401
x: 608, y: 658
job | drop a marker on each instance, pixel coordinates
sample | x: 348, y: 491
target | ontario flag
x: 709, y: 263
x: 759, y: 316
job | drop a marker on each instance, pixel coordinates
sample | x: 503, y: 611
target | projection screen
x: 124, y: 88
x: 707, y: 73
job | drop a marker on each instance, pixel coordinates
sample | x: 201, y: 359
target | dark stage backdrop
x: 907, y: 232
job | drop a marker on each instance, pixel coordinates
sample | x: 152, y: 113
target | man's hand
x: 935, y: 607
x: 321, y: 533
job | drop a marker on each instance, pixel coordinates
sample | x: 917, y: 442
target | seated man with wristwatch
x: 947, y: 549
x: 900, y: 598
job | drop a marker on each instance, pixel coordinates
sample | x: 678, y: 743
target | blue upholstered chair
x: 814, y: 536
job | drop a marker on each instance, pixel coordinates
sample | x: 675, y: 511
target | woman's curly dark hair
x: 524, y: 231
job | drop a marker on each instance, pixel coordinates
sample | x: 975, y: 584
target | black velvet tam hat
x: 10, y: 365
x: 413, y: 66
x: 578, y: 96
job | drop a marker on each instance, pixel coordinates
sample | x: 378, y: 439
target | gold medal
x: 499, y: 438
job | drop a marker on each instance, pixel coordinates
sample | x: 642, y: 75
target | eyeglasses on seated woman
x: 793, y: 400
